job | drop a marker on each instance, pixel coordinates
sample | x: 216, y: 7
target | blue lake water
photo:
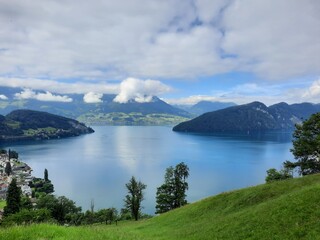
x: 97, y: 166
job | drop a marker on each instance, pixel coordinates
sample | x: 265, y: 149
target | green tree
x: 274, y: 175
x: 8, y: 169
x: 172, y: 194
x: 13, y: 198
x: 46, y: 179
x: 306, y: 146
x: 61, y: 208
x: 135, y: 197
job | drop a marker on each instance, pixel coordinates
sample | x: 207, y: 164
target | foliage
x: 306, y: 146
x: 172, y: 194
x: 13, y: 198
x: 274, y: 175
x: 42, y: 186
x: 61, y: 208
x: 8, y: 169
x: 280, y: 210
x: 26, y: 216
x: 46, y: 179
x: 135, y: 197
x: 26, y: 203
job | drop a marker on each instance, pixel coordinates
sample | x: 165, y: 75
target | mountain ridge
x: 255, y: 116
x: 35, y: 125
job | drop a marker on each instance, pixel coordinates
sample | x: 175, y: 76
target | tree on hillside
x: 13, y: 199
x: 306, y: 146
x: 46, y: 179
x: 8, y: 169
x: 61, y: 208
x: 274, y: 175
x: 172, y: 194
x: 135, y: 197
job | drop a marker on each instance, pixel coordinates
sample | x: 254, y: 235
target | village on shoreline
x: 18, y: 170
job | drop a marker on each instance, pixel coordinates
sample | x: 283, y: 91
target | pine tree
x: 46, y: 179
x: 8, y: 169
x: 13, y: 199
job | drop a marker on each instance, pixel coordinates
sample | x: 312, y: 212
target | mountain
x: 31, y: 125
x: 155, y: 112
x: 254, y: 116
x: 206, y: 106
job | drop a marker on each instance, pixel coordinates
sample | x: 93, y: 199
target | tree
x: 13, y: 198
x: 306, y: 146
x: 61, y: 208
x: 172, y: 194
x: 135, y: 197
x: 274, y: 175
x: 8, y: 169
x: 46, y: 179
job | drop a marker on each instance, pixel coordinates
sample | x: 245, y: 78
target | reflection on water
x: 98, y: 165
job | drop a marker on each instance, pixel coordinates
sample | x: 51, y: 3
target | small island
x: 35, y: 125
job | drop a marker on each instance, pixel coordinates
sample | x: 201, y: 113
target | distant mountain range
x: 254, y: 116
x: 155, y: 112
x: 205, y: 106
x: 35, y: 125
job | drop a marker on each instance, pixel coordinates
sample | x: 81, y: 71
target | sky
x: 181, y: 51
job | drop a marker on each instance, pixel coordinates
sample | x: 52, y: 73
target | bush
x: 27, y: 217
x: 274, y: 175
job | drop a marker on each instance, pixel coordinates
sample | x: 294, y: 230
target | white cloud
x: 313, y: 92
x: 275, y: 39
x: 47, y: 96
x: 60, y: 87
x: 151, y: 39
x: 249, y: 92
x: 140, y: 90
x: 3, y: 97
x: 92, y: 97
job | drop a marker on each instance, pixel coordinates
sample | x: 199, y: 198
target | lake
x: 97, y: 166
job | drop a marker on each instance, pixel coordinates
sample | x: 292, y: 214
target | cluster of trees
x: 306, y: 151
x: 42, y: 186
x: 170, y: 195
x: 59, y: 209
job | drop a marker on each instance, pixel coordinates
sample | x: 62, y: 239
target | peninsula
x: 35, y: 125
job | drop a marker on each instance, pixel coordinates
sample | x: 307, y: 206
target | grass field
x: 2, y: 204
x: 282, y: 210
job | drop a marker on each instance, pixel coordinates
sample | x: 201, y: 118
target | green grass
x: 282, y: 210
x: 2, y: 204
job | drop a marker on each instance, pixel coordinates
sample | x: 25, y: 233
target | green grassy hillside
x: 282, y: 210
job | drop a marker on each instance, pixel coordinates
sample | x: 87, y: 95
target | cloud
x: 140, y: 90
x: 3, y: 97
x: 47, y: 96
x: 274, y: 39
x: 313, y: 92
x: 59, y: 87
x: 151, y: 39
x: 92, y: 97
x: 249, y: 92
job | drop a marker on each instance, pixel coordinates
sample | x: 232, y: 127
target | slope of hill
x: 254, y: 116
x: 281, y: 210
x: 28, y: 125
